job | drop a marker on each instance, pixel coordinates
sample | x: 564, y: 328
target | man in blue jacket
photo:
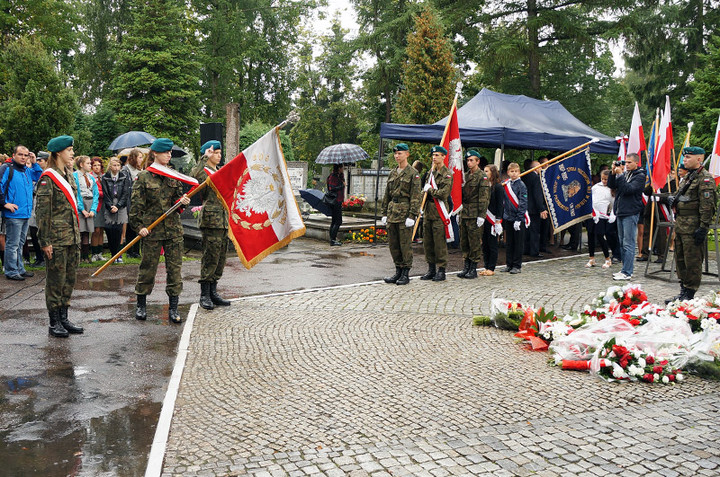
x: 16, y: 201
x: 628, y: 186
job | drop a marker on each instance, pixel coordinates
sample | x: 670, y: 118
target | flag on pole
x: 636, y: 142
x: 686, y: 143
x: 663, y: 160
x: 567, y: 186
x: 454, y: 159
x: 714, y: 168
x: 255, y: 189
x: 622, y: 151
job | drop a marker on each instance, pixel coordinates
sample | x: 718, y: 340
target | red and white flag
x: 663, y: 157
x: 454, y: 159
x: 636, y: 142
x: 255, y: 189
x: 165, y: 171
x: 622, y: 151
x: 714, y: 168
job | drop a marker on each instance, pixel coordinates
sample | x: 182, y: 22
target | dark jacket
x: 336, y: 183
x: 536, y: 201
x: 511, y: 213
x: 497, y: 201
x: 628, y: 188
x: 116, y: 193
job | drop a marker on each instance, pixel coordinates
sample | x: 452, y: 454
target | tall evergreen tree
x: 155, y: 82
x: 35, y: 105
x: 704, y: 104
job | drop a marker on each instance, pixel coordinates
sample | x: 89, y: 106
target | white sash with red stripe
x: 165, y: 171
x: 64, y: 186
x: 209, y: 171
x: 492, y: 220
x: 514, y: 200
x: 444, y: 215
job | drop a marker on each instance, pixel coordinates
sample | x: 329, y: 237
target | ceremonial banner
x: 714, y: 168
x: 454, y: 158
x: 566, y: 186
x: 636, y: 142
x: 255, y: 189
x: 661, y: 166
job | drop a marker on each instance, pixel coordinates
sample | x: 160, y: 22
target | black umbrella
x: 131, y: 139
x: 314, y: 197
x: 177, y: 152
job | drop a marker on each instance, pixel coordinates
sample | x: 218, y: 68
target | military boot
x: 680, y: 296
x: 56, y: 328
x: 205, y: 300
x: 472, y: 271
x: 689, y: 294
x: 404, y: 277
x: 440, y: 275
x: 430, y: 273
x: 394, y: 278
x: 465, y: 270
x: 173, y: 314
x: 140, y: 310
x: 217, y: 299
x: 70, y: 327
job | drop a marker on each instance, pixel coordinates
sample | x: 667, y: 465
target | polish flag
x: 622, y: 151
x: 714, y: 168
x: 636, y: 143
x: 661, y: 167
x: 454, y: 159
x: 255, y: 189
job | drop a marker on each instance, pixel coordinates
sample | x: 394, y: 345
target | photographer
x: 628, y: 185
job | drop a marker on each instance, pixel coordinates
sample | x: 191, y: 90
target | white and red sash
x: 444, y: 214
x: 645, y: 198
x: 165, y: 171
x: 492, y: 221
x: 510, y: 193
x: 64, y: 186
x: 208, y: 171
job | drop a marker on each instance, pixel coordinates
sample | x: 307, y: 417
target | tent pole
x: 381, y: 152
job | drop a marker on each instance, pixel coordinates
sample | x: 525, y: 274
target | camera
x: 618, y: 163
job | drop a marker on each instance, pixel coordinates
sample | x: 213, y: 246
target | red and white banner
x: 443, y: 212
x: 636, y: 142
x: 662, y: 165
x: 622, y: 151
x: 714, y: 167
x: 64, y: 186
x: 165, y: 171
x: 454, y: 158
x: 255, y: 189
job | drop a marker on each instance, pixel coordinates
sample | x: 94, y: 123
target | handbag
x: 330, y: 198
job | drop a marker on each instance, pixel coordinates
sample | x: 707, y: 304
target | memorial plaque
x: 298, y: 172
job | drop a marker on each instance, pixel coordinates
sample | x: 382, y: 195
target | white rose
x: 679, y: 377
x: 665, y: 379
x: 642, y: 363
x: 656, y: 376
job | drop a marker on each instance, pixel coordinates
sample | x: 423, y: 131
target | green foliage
x: 94, y: 132
x: 704, y: 104
x: 255, y: 130
x: 50, y: 21
x: 35, y: 105
x: 429, y: 77
x: 155, y: 79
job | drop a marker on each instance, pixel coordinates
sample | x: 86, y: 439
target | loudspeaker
x: 210, y: 132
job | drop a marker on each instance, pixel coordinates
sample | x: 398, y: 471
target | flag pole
x: 432, y: 168
x: 172, y: 209
x: 561, y: 156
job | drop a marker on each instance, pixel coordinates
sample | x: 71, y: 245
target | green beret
x: 401, y: 146
x: 439, y: 149
x: 60, y: 143
x: 694, y: 150
x: 472, y: 152
x: 161, y: 144
x: 214, y: 144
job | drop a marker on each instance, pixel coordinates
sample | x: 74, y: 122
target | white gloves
x: 596, y: 218
x: 498, y: 228
x: 612, y: 218
x: 409, y: 222
x: 516, y: 225
x: 480, y: 222
x: 427, y: 187
x: 383, y: 221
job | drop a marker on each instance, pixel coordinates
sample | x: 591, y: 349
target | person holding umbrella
x: 336, y: 186
x: 401, y: 203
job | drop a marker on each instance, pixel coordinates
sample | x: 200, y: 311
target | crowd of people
x: 66, y: 203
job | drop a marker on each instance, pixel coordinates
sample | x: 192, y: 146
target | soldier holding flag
x: 475, y: 199
x: 436, y: 219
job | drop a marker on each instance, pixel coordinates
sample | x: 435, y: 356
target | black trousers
x: 336, y: 220
x: 514, y: 242
x: 490, y: 247
x: 532, y: 236
x: 114, y: 234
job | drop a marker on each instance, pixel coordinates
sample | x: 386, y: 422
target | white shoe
x: 621, y: 276
x: 607, y: 264
x: 591, y: 263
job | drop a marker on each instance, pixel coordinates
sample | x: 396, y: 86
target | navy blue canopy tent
x: 493, y: 119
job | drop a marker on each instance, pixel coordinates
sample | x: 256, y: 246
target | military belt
x: 400, y: 199
x: 688, y: 213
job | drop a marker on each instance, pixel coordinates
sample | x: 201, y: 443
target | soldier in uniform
x: 475, y: 199
x: 695, y: 206
x: 152, y: 195
x: 437, y: 190
x: 213, y: 222
x: 59, y: 233
x: 400, y: 206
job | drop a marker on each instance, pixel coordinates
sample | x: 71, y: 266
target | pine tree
x: 155, y: 83
x: 704, y: 104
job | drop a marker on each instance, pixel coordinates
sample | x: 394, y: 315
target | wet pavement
x: 88, y: 405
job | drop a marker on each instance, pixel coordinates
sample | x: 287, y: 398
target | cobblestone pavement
x: 383, y: 380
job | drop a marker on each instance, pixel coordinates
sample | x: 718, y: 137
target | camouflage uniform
x: 401, y: 201
x: 475, y: 200
x: 434, y: 242
x: 213, y: 223
x: 58, y: 226
x: 152, y: 195
x: 695, y: 209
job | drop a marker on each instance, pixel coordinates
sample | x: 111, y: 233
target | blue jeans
x: 15, y: 235
x: 627, y: 235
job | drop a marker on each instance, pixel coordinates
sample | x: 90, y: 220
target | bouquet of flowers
x: 196, y: 211
x: 354, y: 202
x: 506, y: 315
x: 629, y: 363
x: 368, y: 235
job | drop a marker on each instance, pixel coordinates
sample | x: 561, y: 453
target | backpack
x: 10, y: 175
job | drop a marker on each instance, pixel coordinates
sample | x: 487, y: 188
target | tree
x: 50, y: 21
x: 35, y: 105
x: 97, y: 131
x: 155, y: 81
x: 704, y: 104
x: 429, y: 76
x: 253, y: 131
